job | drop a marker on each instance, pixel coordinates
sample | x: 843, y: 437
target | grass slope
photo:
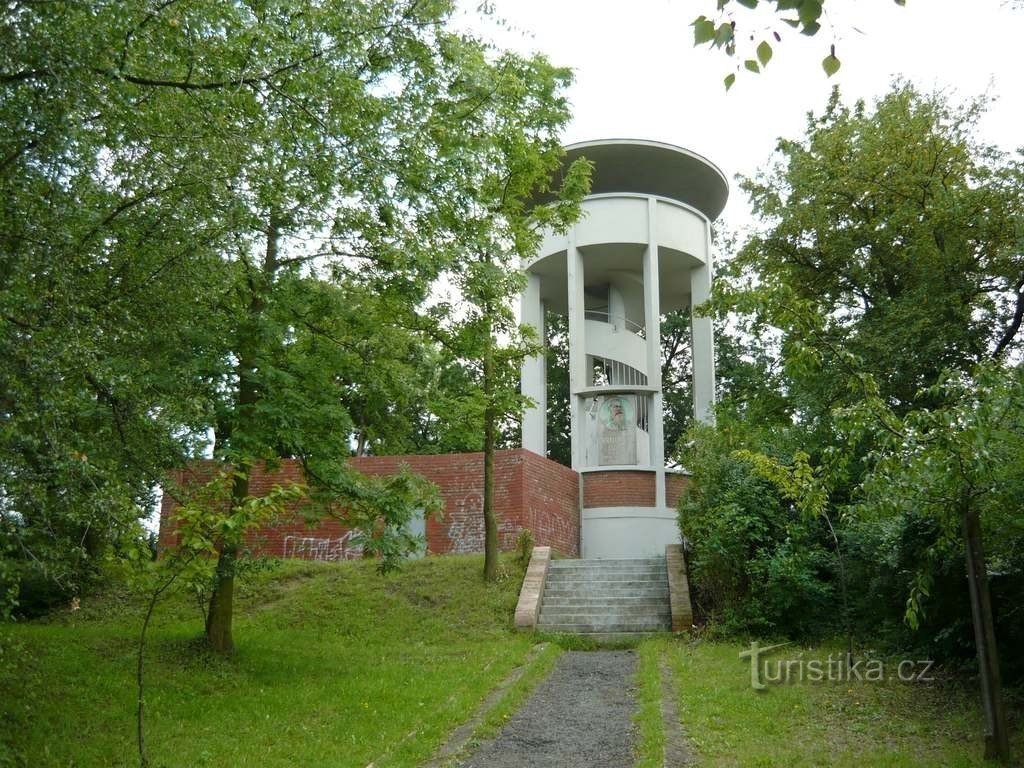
x: 852, y: 723
x: 336, y: 666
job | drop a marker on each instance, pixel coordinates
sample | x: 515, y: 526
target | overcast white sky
x: 639, y: 76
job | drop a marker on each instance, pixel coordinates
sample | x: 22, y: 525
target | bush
x: 757, y: 565
x: 524, y: 547
x: 37, y: 593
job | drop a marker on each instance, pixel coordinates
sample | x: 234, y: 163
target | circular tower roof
x: 653, y: 168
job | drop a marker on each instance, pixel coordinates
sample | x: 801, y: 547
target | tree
x: 900, y: 233
x: 411, y: 185
x: 961, y: 467
x: 728, y: 30
x: 890, y: 270
x: 116, y: 201
x: 513, y: 155
x: 246, y: 169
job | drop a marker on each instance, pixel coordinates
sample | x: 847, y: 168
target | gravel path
x: 581, y: 716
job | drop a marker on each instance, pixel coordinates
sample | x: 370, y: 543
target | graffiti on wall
x: 323, y: 549
x: 465, y: 526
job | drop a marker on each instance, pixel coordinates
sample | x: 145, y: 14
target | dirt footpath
x: 581, y: 716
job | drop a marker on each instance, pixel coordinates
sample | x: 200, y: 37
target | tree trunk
x: 997, y: 746
x: 490, y: 426
x: 221, y: 611
x: 219, y: 616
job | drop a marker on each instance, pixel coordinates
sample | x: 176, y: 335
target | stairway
x: 607, y: 598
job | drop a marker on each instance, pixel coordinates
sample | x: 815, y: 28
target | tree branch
x: 1015, y: 322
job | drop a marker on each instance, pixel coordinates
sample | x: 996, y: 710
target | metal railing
x: 617, y: 320
x: 612, y: 373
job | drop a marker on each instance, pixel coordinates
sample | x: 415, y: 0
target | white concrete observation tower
x: 641, y: 249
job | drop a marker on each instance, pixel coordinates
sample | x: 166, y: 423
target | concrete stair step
x: 628, y: 590
x: 574, y: 594
x: 600, y: 606
x: 663, y: 596
x: 610, y: 562
x: 589, y: 573
x: 661, y: 606
x: 591, y: 617
x: 602, y: 602
x: 613, y: 638
x: 624, y: 567
x: 607, y: 578
x: 589, y: 627
x: 662, y: 568
x: 655, y: 578
x: 582, y: 565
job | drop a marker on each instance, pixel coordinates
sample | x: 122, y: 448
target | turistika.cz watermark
x: 835, y: 668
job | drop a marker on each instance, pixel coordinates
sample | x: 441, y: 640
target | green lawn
x: 817, y: 724
x: 336, y: 666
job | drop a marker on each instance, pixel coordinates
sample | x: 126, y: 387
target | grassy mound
x: 336, y: 666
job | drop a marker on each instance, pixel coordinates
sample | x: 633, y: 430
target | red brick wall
x: 674, y: 486
x: 552, y: 500
x: 619, y: 488
x: 530, y: 492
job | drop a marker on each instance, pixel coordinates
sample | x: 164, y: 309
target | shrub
x: 757, y: 565
x: 524, y: 547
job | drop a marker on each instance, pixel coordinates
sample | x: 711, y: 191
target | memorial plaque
x: 616, y: 430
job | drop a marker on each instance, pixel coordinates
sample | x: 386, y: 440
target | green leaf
x: 751, y: 65
x: 723, y: 34
x: 809, y: 11
x: 810, y: 29
x: 729, y: 80
x: 764, y: 53
x: 830, y: 64
x: 748, y: 3
x: 703, y: 31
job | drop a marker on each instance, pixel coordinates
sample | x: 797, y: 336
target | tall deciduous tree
x: 511, y: 157
x: 961, y: 467
x: 420, y: 128
x: 901, y: 233
x: 191, y: 194
x: 116, y: 196
x: 891, y: 267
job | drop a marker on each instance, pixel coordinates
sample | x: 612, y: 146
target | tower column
x: 702, y: 335
x: 577, y: 347
x: 652, y: 326
x: 534, y: 372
